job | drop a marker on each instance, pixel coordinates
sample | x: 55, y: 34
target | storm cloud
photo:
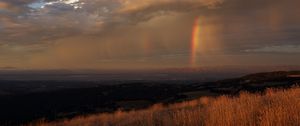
x: 98, y: 33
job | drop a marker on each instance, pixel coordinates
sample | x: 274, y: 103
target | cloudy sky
x: 133, y: 34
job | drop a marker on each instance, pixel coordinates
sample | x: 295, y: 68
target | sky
x: 147, y: 34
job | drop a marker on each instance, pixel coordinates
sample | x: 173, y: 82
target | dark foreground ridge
x: 21, y: 108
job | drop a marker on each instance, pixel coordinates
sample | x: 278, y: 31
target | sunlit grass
x: 273, y: 108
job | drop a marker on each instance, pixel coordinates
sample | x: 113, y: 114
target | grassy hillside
x: 272, y: 108
x: 67, y: 103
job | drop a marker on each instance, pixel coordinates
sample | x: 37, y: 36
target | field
x: 274, y: 107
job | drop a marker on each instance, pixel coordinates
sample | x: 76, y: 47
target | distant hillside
x: 255, y: 82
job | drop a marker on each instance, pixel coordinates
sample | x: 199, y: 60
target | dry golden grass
x: 273, y: 108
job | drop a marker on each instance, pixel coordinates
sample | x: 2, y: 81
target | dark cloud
x: 42, y: 31
x: 51, y: 20
x: 277, y: 49
x: 15, y: 6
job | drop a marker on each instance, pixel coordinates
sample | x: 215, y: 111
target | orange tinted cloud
x: 144, y: 33
x: 9, y: 7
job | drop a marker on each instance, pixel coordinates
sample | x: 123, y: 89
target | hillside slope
x: 274, y: 107
x: 72, y: 102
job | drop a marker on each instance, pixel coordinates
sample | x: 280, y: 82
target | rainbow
x: 195, y: 42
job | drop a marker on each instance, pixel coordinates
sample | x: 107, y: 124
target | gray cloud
x: 98, y: 14
x: 277, y: 49
x: 40, y: 19
x: 41, y: 31
x: 14, y: 6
